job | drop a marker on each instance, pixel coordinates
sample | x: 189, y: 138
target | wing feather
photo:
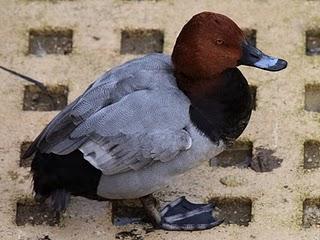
x: 130, y: 118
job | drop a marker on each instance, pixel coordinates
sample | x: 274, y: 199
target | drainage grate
x: 251, y: 35
x: 29, y: 212
x: 23, y: 148
x: 233, y: 210
x: 253, y: 90
x: 141, y: 41
x: 313, y: 42
x: 35, y: 99
x: 312, y: 98
x: 238, y: 155
x: 42, y: 42
x: 311, y: 154
x: 128, y: 212
x: 311, y: 213
x: 264, y: 161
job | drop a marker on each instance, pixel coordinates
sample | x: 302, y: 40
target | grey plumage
x: 131, y: 117
x: 118, y: 154
x: 133, y: 124
x: 105, y: 91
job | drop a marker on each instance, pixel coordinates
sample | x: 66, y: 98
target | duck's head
x: 211, y: 43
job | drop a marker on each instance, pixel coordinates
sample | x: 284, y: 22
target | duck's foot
x: 181, y: 215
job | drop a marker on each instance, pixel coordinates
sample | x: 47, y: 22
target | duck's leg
x: 181, y: 215
x: 150, y: 205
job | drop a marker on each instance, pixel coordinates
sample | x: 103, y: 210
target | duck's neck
x: 220, y: 105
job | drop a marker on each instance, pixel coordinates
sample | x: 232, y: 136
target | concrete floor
x: 281, y: 202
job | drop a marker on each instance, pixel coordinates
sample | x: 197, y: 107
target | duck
x: 145, y: 122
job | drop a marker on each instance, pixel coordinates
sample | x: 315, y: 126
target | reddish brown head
x: 211, y: 43
x: 207, y: 45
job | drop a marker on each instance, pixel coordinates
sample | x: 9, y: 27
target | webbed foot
x: 182, y: 215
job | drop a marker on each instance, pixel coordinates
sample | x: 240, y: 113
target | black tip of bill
x: 252, y: 56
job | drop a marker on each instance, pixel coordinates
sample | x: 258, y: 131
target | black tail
x: 55, y: 177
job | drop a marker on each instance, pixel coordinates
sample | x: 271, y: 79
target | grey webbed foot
x: 182, y: 215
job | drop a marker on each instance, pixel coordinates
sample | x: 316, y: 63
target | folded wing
x: 131, y: 117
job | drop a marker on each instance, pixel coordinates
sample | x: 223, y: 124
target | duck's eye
x: 219, y: 41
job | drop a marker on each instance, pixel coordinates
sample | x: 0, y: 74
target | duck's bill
x: 252, y: 56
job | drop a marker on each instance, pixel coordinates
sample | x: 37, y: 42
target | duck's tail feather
x: 58, y: 200
x: 56, y: 177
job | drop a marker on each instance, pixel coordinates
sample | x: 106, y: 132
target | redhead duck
x: 145, y: 122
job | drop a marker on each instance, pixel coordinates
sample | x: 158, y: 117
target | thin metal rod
x: 39, y: 84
